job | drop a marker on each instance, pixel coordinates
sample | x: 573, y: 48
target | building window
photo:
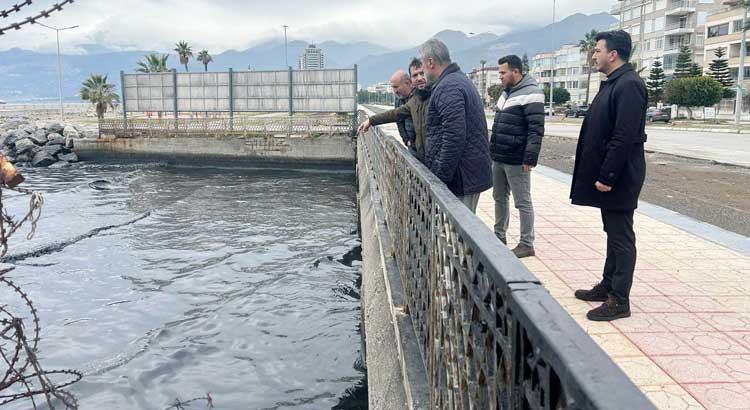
x: 648, y: 26
x: 737, y: 26
x: 659, y: 24
x: 702, y: 18
x: 720, y: 30
x: 660, y: 4
x: 659, y: 43
x: 669, y: 61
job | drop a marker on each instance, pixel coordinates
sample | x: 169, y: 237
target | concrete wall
x: 323, y: 149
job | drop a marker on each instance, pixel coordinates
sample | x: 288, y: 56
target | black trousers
x: 621, y: 253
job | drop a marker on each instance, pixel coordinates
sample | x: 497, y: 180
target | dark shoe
x: 598, y: 293
x: 523, y: 251
x: 503, y: 240
x: 609, y: 310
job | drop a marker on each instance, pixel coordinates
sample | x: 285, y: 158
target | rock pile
x: 26, y: 144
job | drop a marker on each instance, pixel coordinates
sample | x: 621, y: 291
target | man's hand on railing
x: 363, y: 127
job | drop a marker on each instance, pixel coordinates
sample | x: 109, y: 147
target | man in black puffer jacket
x: 516, y: 141
x: 457, y: 147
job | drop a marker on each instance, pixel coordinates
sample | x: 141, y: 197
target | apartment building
x: 724, y: 29
x: 484, y: 79
x: 312, y: 58
x: 570, y: 72
x: 659, y: 28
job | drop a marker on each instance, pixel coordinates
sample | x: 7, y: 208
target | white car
x: 549, y: 111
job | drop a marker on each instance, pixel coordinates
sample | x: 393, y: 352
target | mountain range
x: 29, y: 75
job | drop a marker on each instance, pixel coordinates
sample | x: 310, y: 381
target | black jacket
x: 610, y: 145
x: 457, y: 148
x: 405, y: 125
x: 519, y: 124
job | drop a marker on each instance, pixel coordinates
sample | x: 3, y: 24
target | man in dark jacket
x: 457, y: 149
x: 403, y: 87
x: 515, y: 144
x: 415, y: 109
x: 610, y: 169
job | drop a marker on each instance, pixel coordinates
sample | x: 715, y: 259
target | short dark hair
x: 513, y: 61
x: 617, y: 40
x: 416, y: 63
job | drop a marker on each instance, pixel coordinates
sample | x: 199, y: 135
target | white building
x: 485, y: 78
x: 724, y: 30
x: 381, y: 87
x: 312, y: 58
x: 570, y: 72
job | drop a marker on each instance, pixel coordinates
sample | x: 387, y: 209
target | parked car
x: 549, y: 111
x: 577, y: 111
x: 654, y: 114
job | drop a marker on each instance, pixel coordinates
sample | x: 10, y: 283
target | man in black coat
x: 610, y: 169
x: 457, y: 149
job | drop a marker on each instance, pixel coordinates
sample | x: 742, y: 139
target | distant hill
x: 28, y: 75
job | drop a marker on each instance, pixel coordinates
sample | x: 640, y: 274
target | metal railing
x: 679, y: 25
x: 169, y: 127
x: 677, y: 4
x: 490, y: 335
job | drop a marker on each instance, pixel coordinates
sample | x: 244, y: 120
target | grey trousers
x: 471, y: 201
x: 506, y: 179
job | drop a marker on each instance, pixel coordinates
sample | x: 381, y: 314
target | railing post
x: 231, y: 100
x: 124, y: 109
x: 291, y: 99
x: 174, y: 94
x: 355, y: 123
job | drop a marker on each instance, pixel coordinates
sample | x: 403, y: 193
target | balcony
x: 681, y: 7
x: 678, y: 28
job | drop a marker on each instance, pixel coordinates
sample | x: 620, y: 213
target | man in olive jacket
x: 414, y: 109
x: 610, y: 168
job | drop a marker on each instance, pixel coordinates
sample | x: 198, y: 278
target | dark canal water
x: 238, y: 282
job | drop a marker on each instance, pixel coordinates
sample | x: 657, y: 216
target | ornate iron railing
x: 166, y: 127
x: 490, y: 335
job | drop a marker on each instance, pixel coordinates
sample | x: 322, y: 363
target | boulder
x: 71, y: 132
x: 24, y: 144
x: 60, y: 164
x: 39, y: 137
x: 69, y: 143
x: 90, y: 134
x: 25, y: 157
x: 71, y: 157
x: 55, y: 138
x: 20, y: 133
x: 53, y: 149
x: 30, y: 129
x: 54, y: 127
x: 43, y: 159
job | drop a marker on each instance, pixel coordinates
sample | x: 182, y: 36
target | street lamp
x: 59, y: 65
x: 286, y: 53
x: 741, y: 68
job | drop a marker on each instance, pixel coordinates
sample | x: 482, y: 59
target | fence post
x: 124, y: 110
x: 355, y: 123
x: 291, y: 99
x: 174, y: 94
x: 231, y: 100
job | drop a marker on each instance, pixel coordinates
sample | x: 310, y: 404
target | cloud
x: 233, y: 24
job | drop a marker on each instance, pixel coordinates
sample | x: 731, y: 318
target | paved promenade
x: 687, y: 343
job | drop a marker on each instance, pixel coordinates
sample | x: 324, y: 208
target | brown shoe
x: 598, y: 293
x: 609, y: 310
x: 523, y: 251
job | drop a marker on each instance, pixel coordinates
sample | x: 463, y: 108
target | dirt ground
x: 712, y: 193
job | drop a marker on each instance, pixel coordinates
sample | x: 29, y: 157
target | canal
x: 162, y: 283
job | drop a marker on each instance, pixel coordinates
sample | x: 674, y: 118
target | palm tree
x: 99, y: 92
x: 153, y: 63
x: 586, y: 45
x: 185, y: 52
x: 205, y: 58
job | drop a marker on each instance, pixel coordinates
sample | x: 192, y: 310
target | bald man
x: 403, y: 88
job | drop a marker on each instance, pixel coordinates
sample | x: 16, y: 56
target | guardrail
x: 169, y: 127
x: 490, y: 335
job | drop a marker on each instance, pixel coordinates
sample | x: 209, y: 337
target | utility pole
x: 59, y: 64
x: 741, y: 69
x: 552, y: 82
x: 286, y: 53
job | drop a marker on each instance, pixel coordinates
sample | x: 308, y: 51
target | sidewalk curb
x: 711, y: 233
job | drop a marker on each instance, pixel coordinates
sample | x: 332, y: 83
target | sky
x: 219, y: 25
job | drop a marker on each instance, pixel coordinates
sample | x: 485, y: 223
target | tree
x: 587, y: 45
x: 684, y: 65
x: 561, y: 95
x: 494, y: 91
x: 719, y: 71
x: 184, y: 51
x: 693, y: 92
x: 696, y: 70
x: 482, y: 82
x: 205, y: 58
x: 153, y: 63
x: 99, y: 92
x: 655, y: 83
x: 525, y: 60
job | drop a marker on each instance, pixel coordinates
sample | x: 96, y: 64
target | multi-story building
x: 659, y: 28
x: 312, y: 58
x: 381, y: 87
x: 724, y: 30
x: 570, y: 67
x: 484, y: 79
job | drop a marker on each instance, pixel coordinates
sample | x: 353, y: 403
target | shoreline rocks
x: 26, y: 144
